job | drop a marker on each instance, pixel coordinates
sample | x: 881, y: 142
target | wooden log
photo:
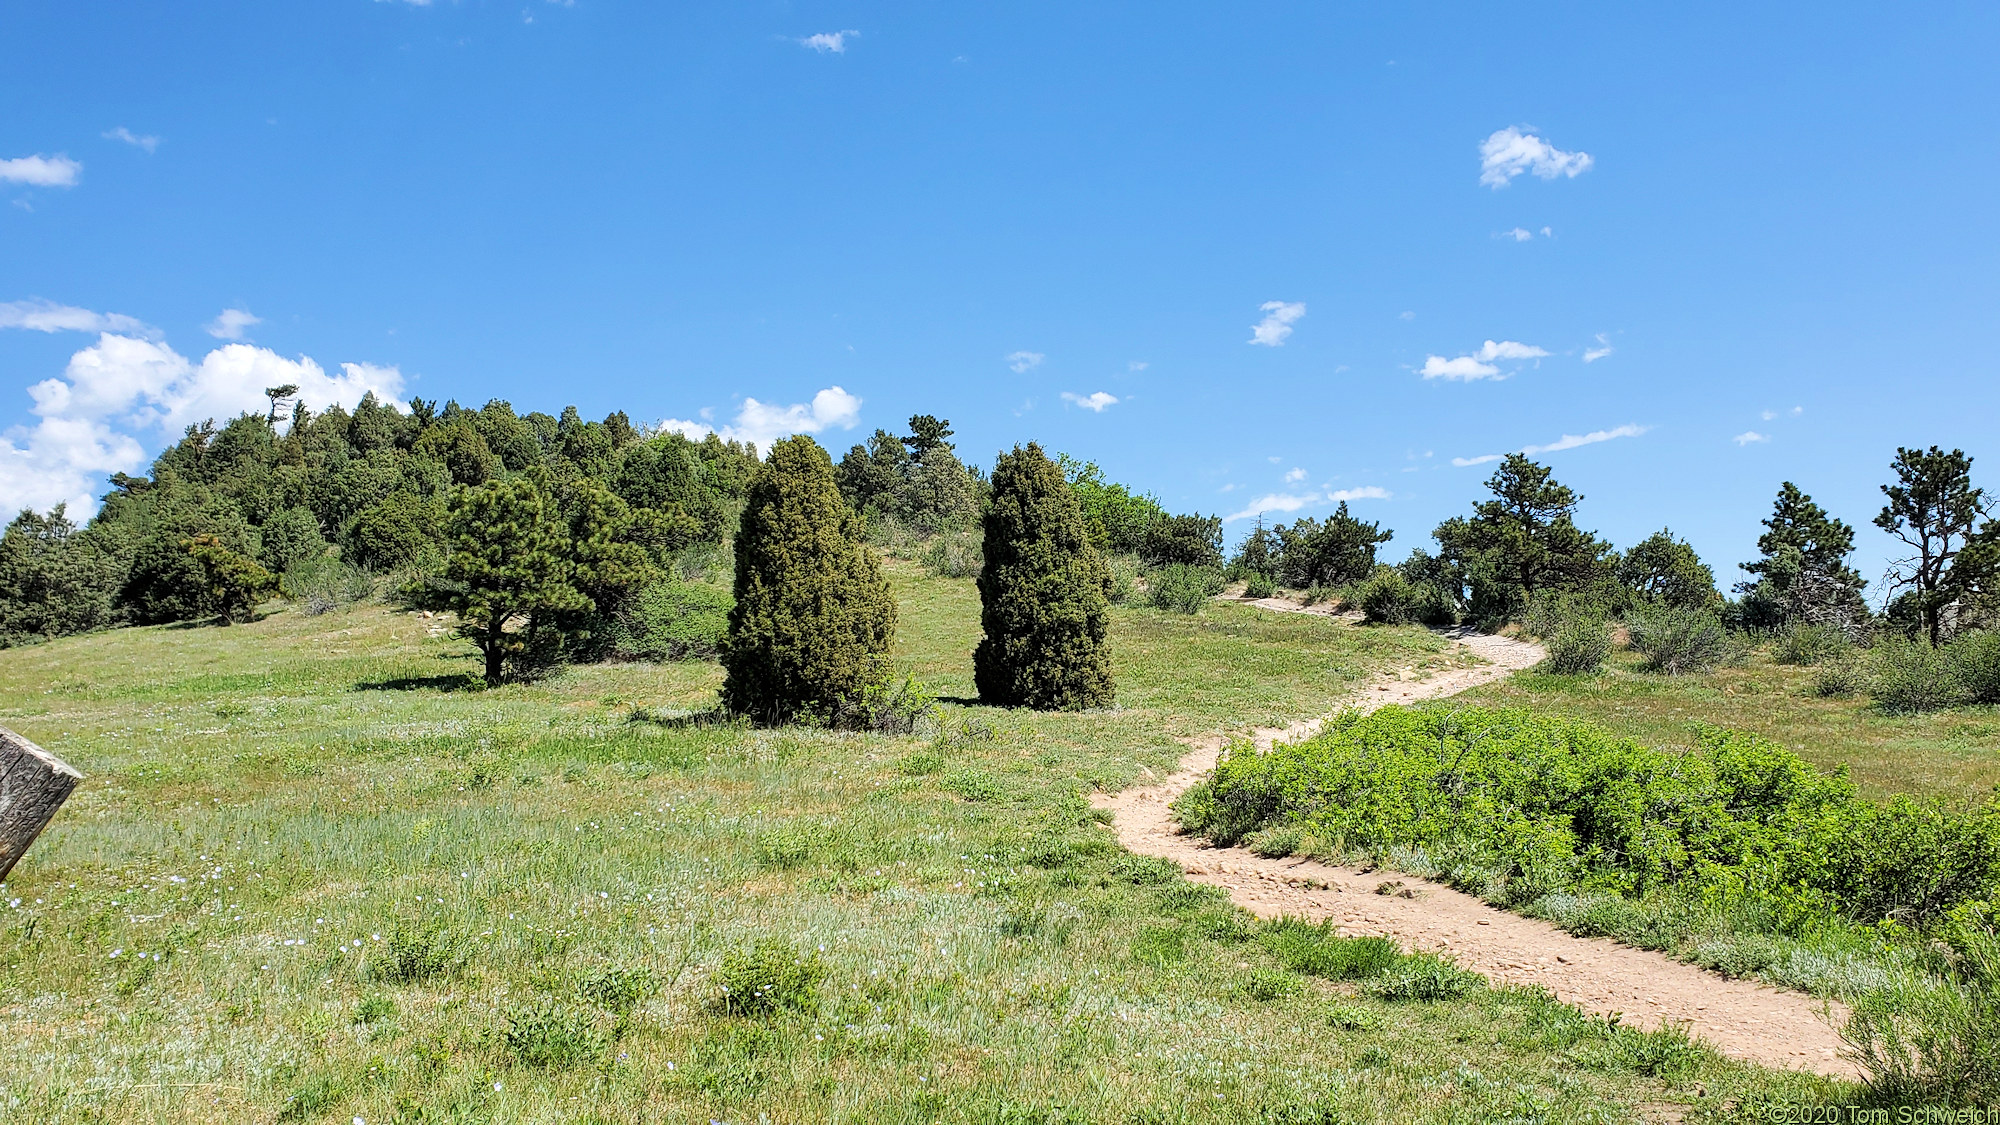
x: 33, y: 785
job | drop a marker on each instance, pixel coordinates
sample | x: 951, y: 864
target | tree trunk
x: 33, y: 785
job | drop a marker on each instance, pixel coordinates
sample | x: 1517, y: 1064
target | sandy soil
x: 1741, y: 1019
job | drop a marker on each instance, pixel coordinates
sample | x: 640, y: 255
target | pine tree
x: 1042, y: 594
x: 1521, y: 543
x: 508, y: 563
x: 1803, y: 571
x: 813, y: 615
x: 1935, y: 511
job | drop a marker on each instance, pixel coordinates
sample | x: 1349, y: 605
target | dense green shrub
x: 1183, y: 589
x: 1677, y: 642
x: 1042, y: 594
x: 1804, y: 643
x: 1259, y: 585
x: 673, y: 620
x: 1334, y: 553
x: 54, y: 580
x: 1578, y: 646
x: 1389, y: 597
x: 1503, y: 796
x: 1192, y: 541
x: 391, y: 532
x: 321, y: 582
x: 553, y: 1036
x: 768, y: 978
x: 1911, y: 676
x: 234, y: 581
x: 1975, y: 664
x: 289, y: 538
x: 813, y: 617
x: 508, y: 562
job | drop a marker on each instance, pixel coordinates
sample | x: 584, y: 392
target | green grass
x: 315, y: 874
x: 1953, y: 753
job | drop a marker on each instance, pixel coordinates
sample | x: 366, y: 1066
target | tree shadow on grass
x: 709, y: 717
x: 456, y: 681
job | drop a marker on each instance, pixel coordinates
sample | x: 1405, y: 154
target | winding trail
x: 1743, y: 1020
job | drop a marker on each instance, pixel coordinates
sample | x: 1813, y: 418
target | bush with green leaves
x: 673, y: 619
x: 1975, y: 663
x: 1042, y: 594
x: 235, y: 582
x: 553, y: 1036
x: 1910, y: 676
x: 1806, y: 644
x: 1183, y: 589
x: 1494, y: 796
x: 814, y: 618
x: 768, y: 979
x: 1578, y: 646
x: 1259, y: 585
x: 1937, y: 1041
x: 54, y: 579
x: 1678, y: 642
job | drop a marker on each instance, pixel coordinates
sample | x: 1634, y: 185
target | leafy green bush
x: 1804, y: 643
x: 1388, y: 598
x: 768, y: 978
x: 1259, y: 585
x: 552, y: 1036
x: 1425, y: 977
x: 886, y: 707
x: 1351, y: 1017
x: 415, y: 956
x: 322, y: 582
x: 1841, y: 677
x: 1578, y: 646
x: 1937, y: 1042
x: 1678, y: 642
x: 1322, y: 952
x: 1911, y: 676
x: 673, y: 620
x: 1975, y: 664
x: 1183, y: 589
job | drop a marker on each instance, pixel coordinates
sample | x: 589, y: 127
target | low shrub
x: 1388, y: 598
x: 673, y: 620
x: 1578, y: 646
x: 1183, y: 589
x: 415, y: 956
x: 617, y: 991
x: 1911, y: 676
x: 1259, y: 585
x: 321, y: 583
x: 1807, y: 644
x: 553, y: 1036
x: 1425, y: 977
x: 1937, y: 1042
x: 1320, y: 951
x: 884, y: 707
x: 1124, y: 579
x: 1678, y: 642
x: 768, y: 978
x: 1840, y: 677
x: 1975, y: 665
x: 953, y: 556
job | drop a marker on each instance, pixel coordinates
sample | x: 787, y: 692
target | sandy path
x: 1743, y: 1020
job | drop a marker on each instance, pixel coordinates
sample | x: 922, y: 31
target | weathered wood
x: 33, y: 785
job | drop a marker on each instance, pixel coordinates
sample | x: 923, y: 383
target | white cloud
x: 46, y: 316
x: 91, y: 418
x: 1510, y: 152
x: 1750, y: 437
x: 764, y: 423
x: 1095, y: 402
x: 1567, y: 441
x: 1024, y: 362
x: 1603, y: 348
x: 1406, y: 316
x: 1277, y: 323
x: 121, y: 133
x: 40, y: 171
x: 230, y: 324
x: 1293, y: 501
x: 1137, y: 365
x: 829, y: 42
x: 1518, y: 234
x: 1295, y: 476
x: 1479, y: 365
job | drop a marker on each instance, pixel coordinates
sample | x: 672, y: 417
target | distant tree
x: 1934, y: 510
x: 54, y: 580
x: 1183, y: 541
x: 289, y: 537
x: 927, y: 435
x: 610, y: 561
x: 1663, y: 570
x: 1042, y: 593
x: 1115, y: 517
x: 165, y: 582
x: 813, y: 618
x: 279, y: 397
x: 870, y: 474
x: 1524, y: 540
x: 394, y: 531
x: 1802, y: 570
x: 1256, y: 554
x: 458, y: 446
x: 1335, y: 553
x: 235, y: 581
x: 510, y: 438
x: 581, y: 449
x: 915, y: 479
x: 507, y: 564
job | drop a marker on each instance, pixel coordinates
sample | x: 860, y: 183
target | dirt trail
x: 1743, y: 1020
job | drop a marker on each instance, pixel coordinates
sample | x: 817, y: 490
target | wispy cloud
x: 1603, y: 348
x: 1095, y: 402
x: 1295, y: 476
x: 1480, y: 364
x: 1293, y: 501
x: 40, y: 171
x: 1279, y: 316
x: 1510, y: 152
x: 1750, y: 437
x: 231, y: 324
x: 1567, y: 441
x: 36, y: 315
x: 1023, y: 362
x: 829, y: 42
x: 763, y: 423
x: 1137, y: 365
x: 121, y: 133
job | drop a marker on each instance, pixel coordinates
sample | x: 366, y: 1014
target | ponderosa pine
x: 1042, y: 594
x: 813, y: 615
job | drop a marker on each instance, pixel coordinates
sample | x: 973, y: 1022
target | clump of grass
x: 616, y: 990
x: 1259, y: 585
x: 768, y: 978
x: 1267, y: 985
x: 1351, y: 1017
x: 1159, y: 946
x: 373, y: 1009
x: 414, y: 955
x: 972, y: 785
x: 1319, y: 950
x: 1187, y: 898
x: 1425, y: 977
x: 552, y: 1036
x: 785, y: 848
x: 1278, y: 842
x: 1840, y: 677
x: 1146, y: 870
x: 923, y: 763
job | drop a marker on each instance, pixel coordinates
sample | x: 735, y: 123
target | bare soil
x: 1743, y: 1020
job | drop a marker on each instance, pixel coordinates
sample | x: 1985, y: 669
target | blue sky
x: 1217, y: 249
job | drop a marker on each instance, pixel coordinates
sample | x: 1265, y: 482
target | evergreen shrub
x: 1912, y: 676
x: 1677, y: 642
x: 1807, y: 644
x: 1183, y: 589
x: 673, y: 620
x: 1578, y: 646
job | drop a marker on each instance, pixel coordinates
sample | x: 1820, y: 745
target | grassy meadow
x: 317, y: 873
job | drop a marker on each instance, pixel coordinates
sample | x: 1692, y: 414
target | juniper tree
x: 813, y: 615
x: 1042, y: 594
